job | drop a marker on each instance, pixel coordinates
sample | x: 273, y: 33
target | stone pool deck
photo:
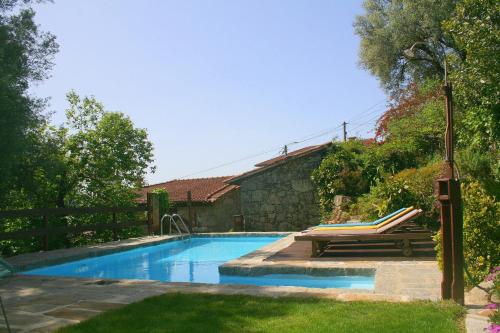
x: 42, y: 304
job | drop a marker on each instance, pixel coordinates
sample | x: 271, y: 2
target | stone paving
x: 410, y: 279
x: 28, y: 261
x: 42, y: 304
x: 477, y: 318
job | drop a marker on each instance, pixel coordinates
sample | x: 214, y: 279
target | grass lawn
x: 237, y: 313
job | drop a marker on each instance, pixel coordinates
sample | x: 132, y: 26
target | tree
x: 108, y: 156
x: 402, y: 41
x: 476, y: 29
x: 26, y: 56
x: 97, y: 159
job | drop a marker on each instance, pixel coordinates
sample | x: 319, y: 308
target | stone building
x: 213, y: 201
x: 279, y: 194
x: 276, y: 196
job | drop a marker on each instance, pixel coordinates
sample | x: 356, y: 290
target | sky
x: 219, y: 85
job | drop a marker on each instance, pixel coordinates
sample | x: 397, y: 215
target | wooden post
x: 345, y: 131
x: 446, y: 249
x: 153, y: 213
x: 46, y: 233
x: 449, y: 128
x: 191, y: 222
x: 115, y: 236
x: 450, y: 200
x: 457, y: 286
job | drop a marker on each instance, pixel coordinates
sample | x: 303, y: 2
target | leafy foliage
x: 26, y: 56
x: 107, y: 155
x: 481, y: 230
x: 340, y: 173
x: 476, y: 29
x: 163, y: 199
x: 481, y: 166
x: 99, y: 159
x: 410, y: 138
x: 390, y: 29
x: 410, y: 187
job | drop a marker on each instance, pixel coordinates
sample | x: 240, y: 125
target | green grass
x: 236, y: 313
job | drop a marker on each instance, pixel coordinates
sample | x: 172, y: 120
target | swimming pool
x: 195, y: 260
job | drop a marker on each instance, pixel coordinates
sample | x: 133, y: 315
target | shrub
x: 481, y: 213
x: 163, y: 199
x: 481, y: 230
x: 410, y: 187
x: 340, y: 173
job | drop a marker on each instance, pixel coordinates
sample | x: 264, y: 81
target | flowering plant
x: 494, y: 328
x: 494, y: 276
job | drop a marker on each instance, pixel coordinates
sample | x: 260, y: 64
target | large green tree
x: 107, y: 155
x: 402, y: 41
x: 26, y: 56
x: 97, y: 158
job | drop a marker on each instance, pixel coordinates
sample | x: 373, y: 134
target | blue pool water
x: 193, y: 260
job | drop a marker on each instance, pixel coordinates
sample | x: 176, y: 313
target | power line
x: 372, y: 109
x: 232, y: 162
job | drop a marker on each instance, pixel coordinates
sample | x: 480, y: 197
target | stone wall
x: 214, y: 216
x: 282, y: 198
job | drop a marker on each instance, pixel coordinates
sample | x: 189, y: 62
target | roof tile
x: 202, y: 189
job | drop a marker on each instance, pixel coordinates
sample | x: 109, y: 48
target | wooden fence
x: 47, y: 230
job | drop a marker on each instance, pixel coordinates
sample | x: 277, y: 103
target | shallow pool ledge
x: 257, y: 263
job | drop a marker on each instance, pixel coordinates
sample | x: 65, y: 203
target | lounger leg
x: 321, y: 247
x: 407, y: 250
x: 314, y: 250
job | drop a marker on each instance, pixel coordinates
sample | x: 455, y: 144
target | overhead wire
x: 369, y: 111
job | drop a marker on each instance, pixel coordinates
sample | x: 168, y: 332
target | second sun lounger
x: 400, y: 231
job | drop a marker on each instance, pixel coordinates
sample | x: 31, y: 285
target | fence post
x: 153, y: 212
x: 115, y: 236
x: 46, y: 233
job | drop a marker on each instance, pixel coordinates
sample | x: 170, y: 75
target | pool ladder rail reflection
x: 172, y: 220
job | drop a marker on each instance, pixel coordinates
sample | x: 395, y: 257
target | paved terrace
x: 42, y: 304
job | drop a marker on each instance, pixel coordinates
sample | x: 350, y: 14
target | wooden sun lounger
x: 400, y: 231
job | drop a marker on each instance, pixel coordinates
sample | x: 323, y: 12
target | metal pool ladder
x: 172, y: 220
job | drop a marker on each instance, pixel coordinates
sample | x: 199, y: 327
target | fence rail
x: 68, y: 211
x: 48, y: 230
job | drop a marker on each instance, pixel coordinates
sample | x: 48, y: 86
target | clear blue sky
x: 215, y: 81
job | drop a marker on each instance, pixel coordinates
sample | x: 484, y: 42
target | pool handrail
x: 171, y: 219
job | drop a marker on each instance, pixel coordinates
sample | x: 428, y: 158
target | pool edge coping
x: 33, y: 260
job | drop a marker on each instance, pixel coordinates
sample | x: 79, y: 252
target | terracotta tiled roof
x: 202, y: 189
x: 279, y: 160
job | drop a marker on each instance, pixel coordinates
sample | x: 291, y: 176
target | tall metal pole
x: 345, y: 131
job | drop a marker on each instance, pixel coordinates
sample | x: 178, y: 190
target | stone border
x: 393, y: 279
x: 44, y: 303
x: 28, y: 261
x: 410, y: 280
x: 257, y: 263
